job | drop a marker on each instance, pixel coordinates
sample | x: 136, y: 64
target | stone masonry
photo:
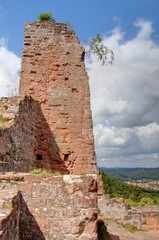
x: 53, y: 73
x: 48, y: 208
x: 143, y: 218
x: 49, y: 126
x: 18, y: 134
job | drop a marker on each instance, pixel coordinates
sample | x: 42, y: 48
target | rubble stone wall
x: 55, y: 207
x: 53, y: 73
x: 49, y: 125
x: 8, y: 109
x: 24, y: 137
x: 17, y: 133
x: 144, y: 218
x: 149, y: 217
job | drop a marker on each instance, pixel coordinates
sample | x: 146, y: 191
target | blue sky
x: 88, y: 17
x: 125, y: 96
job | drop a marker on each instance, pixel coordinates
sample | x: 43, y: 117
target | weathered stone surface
x: 18, y: 140
x: 49, y: 126
x: 144, y: 218
x: 53, y: 73
x: 58, y: 207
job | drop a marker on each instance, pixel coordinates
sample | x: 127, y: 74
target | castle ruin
x: 49, y: 126
x: 56, y: 107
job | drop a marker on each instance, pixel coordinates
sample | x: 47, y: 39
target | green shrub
x: 3, y: 122
x: 37, y: 171
x: 130, y: 228
x: 45, y: 172
x: 134, y: 196
x: 146, y: 201
x: 46, y: 17
x: 69, y: 26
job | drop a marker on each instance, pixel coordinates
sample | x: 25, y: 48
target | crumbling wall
x: 24, y: 137
x: 17, y: 133
x: 53, y: 73
x: 149, y: 217
x: 144, y: 218
x: 54, y: 207
x: 8, y: 109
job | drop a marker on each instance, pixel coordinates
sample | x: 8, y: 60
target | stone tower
x: 53, y: 74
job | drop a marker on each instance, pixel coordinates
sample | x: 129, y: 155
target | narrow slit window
x: 39, y: 157
x: 66, y: 157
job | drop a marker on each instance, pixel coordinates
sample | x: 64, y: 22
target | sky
x: 124, y: 96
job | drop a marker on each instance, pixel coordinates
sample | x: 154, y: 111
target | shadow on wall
x: 114, y: 237
x: 46, y: 151
x: 102, y: 232
x: 30, y: 141
x: 21, y: 224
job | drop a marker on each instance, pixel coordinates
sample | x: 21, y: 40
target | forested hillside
x: 132, y: 174
x: 135, y: 196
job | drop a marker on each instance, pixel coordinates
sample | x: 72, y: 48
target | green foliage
x: 130, y: 228
x: 46, y: 17
x: 4, y: 122
x: 44, y: 172
x: 37, y: 171
x: 69, y: 26
x: 134, y: 196
x: 146, y: 201
x: 104, y: 54
x: 136, y: 175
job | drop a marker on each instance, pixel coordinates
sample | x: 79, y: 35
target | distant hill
x: 134, y: 195
x: 132, y: 173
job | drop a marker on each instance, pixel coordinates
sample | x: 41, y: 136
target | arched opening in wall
x: 101, y: 230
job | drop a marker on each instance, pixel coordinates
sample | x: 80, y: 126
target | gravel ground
x: 117, y: 232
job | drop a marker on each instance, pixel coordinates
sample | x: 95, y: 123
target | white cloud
x: 125, y: 98
x: 9, y: 69
x: 145, y: 29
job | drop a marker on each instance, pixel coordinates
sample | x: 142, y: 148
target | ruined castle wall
x: 8, y: 110
x: 17, y: 133
x: 56, y: 207
x: 53, y: 73
x: 144, y: 218
x: 149, y: 217
x: 25, y: 137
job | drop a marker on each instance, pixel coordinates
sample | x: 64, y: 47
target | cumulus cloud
x: 125, y: 99
x: 9, y: 70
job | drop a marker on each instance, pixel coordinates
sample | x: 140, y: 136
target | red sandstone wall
x: 149, y: 217
x: 8, y: 110
x: 53, y: 73
x: 144, y: 218
x: 59, y: 207
x: 18, y: 136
